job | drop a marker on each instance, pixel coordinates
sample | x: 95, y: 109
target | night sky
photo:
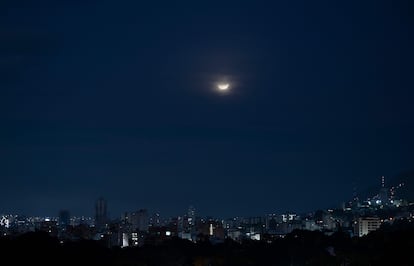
x: 118, y: 99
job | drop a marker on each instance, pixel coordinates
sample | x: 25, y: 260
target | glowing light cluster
x: 5, y: 221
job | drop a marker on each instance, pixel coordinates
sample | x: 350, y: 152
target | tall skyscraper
x: 101, y: 215
x: 143, y: 220
x: 191, y: 216
x: 383, y: 193
x: 64, y: 218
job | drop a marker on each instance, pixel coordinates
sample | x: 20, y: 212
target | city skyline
x: 384, y: 192
x: 388, y: 206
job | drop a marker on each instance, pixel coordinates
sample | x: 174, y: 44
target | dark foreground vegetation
x: 391, y: 245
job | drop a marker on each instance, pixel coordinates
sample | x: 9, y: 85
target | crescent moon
x: 223, y: 86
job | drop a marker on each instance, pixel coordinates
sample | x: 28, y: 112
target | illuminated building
x: 191, y: 217
x: 383, y: 193
x: 5, y: 221
x: 364, y: 226
x: 125, y: 240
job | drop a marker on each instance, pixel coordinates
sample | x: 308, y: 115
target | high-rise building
x: 383, y: 193
x: 365, y: 225
x: 101, y: 215
x: 155, y: 220
x: 64, y: 218
x: 139, y: 220
x: 191, y: 217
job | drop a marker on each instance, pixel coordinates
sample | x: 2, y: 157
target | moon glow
x: 223, y: 86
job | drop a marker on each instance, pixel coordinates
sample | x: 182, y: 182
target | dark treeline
x: 391, y: 245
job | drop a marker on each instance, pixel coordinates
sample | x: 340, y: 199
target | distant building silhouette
x: 383, y: 193
x: 155, y: 220
x: 101, y: 215
x: 191, y: 217
x: 64, y: 218
x: 139, y: 220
